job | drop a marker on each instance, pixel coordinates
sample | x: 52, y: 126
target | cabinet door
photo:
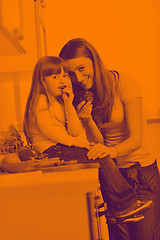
x: 11, y: 28
x: 18, y: 50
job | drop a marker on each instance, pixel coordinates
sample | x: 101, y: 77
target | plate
x: 18, y: 167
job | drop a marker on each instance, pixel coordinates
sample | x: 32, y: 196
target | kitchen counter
x: 49, y: 205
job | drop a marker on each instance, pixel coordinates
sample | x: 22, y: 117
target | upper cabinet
x: 11, y: 28
x: 22, y: 34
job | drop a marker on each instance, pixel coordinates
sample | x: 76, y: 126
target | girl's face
x: 81, y: 71
x: 54, y: 83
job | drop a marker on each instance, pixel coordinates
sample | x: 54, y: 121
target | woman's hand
x: 84, y: 110
x: 98, y: 151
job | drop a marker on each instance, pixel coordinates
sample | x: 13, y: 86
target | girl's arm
x: 57, y: 133
x: 74, y: 126
x: 92, y: 131
x: 134, y: 118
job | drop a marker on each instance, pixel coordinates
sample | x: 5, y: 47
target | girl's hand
x: 84, y: 110
x: 81, y: 142
x: 67, y: 95
x: 98, y: 151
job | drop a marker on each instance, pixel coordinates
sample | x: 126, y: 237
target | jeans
x: 146, y: 182
x: 117, y: 192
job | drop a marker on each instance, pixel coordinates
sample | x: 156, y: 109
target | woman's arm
x: 134, y: 119
x: 92, y: 131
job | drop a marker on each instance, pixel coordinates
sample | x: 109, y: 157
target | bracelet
x: 114, y: 153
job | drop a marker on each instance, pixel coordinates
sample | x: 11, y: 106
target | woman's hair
x: 105, y: 82
x: 46, y: 66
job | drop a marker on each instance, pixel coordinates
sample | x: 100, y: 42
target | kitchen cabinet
x: 52, y: 205
x: 11, y: 28
x: 22, y: 43
x: 19, y: 27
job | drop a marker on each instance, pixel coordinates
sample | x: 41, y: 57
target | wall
x: 154, y: 140
x: 14, y: 90
x: 125, y: 33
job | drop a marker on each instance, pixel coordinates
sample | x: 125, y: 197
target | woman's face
x: 55, y: 83
x: 81, y: 71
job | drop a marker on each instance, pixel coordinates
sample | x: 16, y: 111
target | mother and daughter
x: 108, y: 129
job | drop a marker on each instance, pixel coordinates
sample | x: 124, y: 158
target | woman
x: 118, y: 114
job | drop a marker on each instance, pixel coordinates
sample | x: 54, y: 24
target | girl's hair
x: 46, y: 66
x: 105, y: 82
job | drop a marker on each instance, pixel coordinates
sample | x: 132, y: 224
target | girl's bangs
x: 54, y: 67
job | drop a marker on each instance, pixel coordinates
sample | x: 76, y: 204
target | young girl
x: 52, y: 125
x: 50, y: 117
